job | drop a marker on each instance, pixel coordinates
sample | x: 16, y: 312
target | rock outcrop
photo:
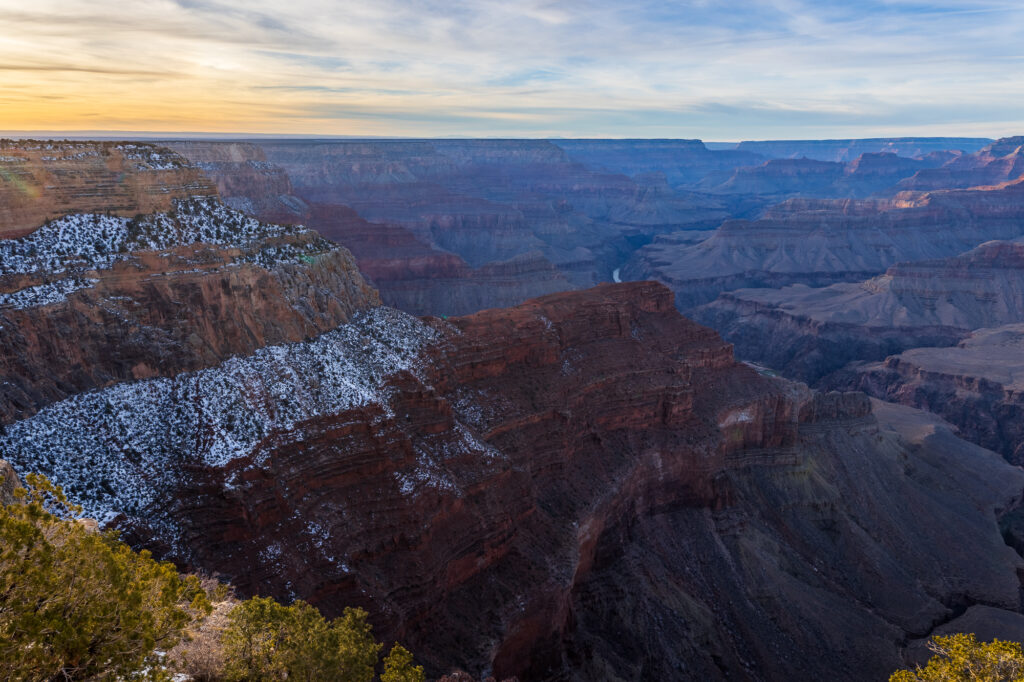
x: 43, y: 180
x: 409, y: 273
x: 975, y: 385
x: 586, y: 486
x: 90, y: 300
x: 778, y: 179
x: 807, y: 333
x: 679, y: 162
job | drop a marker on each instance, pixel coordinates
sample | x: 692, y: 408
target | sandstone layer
x: 1001, y: 161
x: 679, y: 162
x: 848, y: 150
x: 778, y: 179
x: 409, y: 272
x: 42, y: 180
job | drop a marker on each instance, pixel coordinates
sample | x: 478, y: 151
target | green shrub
x: 399, y: 667
x: 265, y: 640
x: 78, y: 604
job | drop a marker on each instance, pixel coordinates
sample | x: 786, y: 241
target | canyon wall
x: 999, y: 162
x: 848, y: 150
x: 411, y: 272
x: 584, y: 486
x: 679, y: 162
x: 88, y: 300
x: 779, y: 179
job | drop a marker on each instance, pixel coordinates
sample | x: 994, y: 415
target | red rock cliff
x: 41, y: 180
x: 582, y: 487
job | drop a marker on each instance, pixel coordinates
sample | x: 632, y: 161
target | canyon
x: 849, y: 150
x: 388, y: 374
x: 454, y: 226
x: 451, y: 227
x: 591, y: 468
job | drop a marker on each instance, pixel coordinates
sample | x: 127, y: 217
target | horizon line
x: 82, y: 135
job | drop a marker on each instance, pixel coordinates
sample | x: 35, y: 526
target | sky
x: 725, y: 70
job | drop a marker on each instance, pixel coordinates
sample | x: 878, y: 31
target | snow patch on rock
x: 95, y: 242
x: 116, y: 450
x: 45, y: 294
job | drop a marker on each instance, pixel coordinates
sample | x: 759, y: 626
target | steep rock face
x: 42, y: 180
x: 245, y: 180
x: 848, y: 150
x: 821, y: 242
x: 772, y: 327
x: 90, y: 300
x: 586, y: 486
x: 779, y: 177
x: 975, y: 385
x: 807, y: 333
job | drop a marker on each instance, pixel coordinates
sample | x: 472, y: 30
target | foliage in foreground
x: 962, y: 658
x: 267, y: 641
x: 77, y: 604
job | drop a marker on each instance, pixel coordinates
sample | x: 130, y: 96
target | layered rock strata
x: 778, y: 179
x: 585, y: 486
x: 848, y: 150
x: 409, y: 272
x: 822, y: 242
x: 42, y: 180
x: 1002, y: 161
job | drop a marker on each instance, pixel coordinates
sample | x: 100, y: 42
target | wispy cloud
x: 721, y: 69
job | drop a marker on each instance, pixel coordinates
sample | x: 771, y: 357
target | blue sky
x: 714, y: 70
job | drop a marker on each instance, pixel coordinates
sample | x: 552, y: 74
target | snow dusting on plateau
x: 78, y: 244
x: 95, y: 242
x: 117, y: 449
x: 44, y: 294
